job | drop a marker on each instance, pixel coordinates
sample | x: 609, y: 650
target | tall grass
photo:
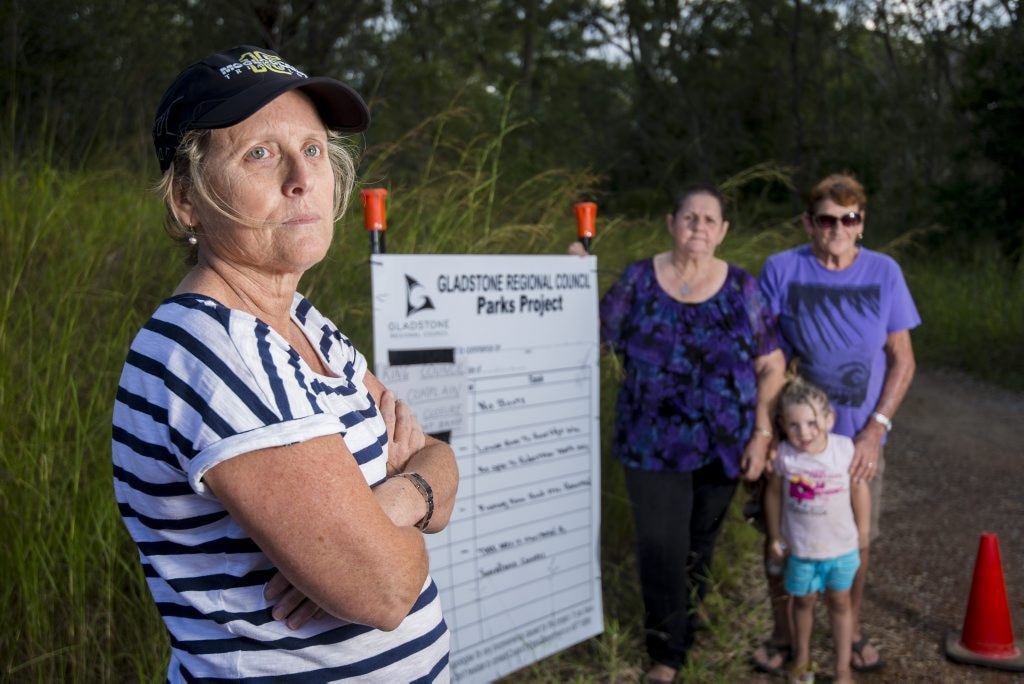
x: 972, y: 312
x: 83, y: 261
x: 78, y: 264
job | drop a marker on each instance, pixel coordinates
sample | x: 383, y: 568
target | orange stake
x: 586, y: 213
x: 374, y: 217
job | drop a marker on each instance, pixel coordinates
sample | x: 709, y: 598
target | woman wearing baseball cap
x: 276, y: 490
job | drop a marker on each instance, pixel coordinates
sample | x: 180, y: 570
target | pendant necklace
x: 685, y: 289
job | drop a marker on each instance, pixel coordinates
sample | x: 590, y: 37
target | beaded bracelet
x: 428, y: 496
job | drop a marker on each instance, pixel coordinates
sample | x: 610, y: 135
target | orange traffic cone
x: 987, y: 636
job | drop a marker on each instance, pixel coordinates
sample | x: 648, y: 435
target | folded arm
x: 308, y: 508
x: 409, y: 450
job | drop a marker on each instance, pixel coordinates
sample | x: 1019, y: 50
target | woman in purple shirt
x: 844, y: 314
x: 701, y: 362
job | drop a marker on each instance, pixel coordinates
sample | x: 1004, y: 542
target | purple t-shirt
x: 836, y: 323
x: 690, y: 389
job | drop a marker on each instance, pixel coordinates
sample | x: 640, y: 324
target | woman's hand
x: 410, y: 450
x: 777, y: 551
x: 292, y: 607
x: 405, y: 436
x: 755, y: 455
x: 773, y: 452
x: 867, y: 452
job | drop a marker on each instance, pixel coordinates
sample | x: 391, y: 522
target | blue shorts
x: 805, y: 576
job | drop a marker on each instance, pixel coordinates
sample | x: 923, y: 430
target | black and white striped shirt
x: 202, y: 384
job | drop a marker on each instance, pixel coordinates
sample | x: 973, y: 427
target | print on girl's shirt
x: 801, y: 488
x: 810, y: 492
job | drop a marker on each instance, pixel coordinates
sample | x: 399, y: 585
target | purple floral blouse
x: 689, y: 391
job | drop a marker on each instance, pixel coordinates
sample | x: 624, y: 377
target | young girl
x: 819, y: 517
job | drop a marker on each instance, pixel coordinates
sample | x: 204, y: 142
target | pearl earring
x: 192, y: 239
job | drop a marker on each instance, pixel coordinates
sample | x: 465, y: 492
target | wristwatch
x: 883, y: 419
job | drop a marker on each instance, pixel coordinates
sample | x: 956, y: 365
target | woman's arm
x: 899, y: 372
x: 308, y: 508
x: 771, y: 375
x: 398, y: 498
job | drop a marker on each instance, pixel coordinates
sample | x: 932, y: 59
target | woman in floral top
x: 702, y: 362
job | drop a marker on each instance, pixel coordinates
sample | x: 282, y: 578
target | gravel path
x: 955, y: 469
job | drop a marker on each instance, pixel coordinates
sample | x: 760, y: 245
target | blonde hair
x: 798, y: 391
x: 189, y: 172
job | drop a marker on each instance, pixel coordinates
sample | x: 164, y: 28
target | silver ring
x: 871, y: 464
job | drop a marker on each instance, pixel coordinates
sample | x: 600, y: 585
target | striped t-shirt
x: 204, y: 383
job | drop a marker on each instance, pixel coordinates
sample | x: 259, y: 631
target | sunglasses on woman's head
x: 829, y: 221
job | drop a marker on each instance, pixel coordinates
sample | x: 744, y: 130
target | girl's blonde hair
x: 797, y: 391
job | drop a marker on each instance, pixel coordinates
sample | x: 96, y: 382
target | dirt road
x: 955, y: 469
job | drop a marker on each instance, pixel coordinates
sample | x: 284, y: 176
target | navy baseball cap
x: 228, y: 87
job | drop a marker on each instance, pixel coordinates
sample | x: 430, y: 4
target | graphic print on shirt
x: 831, y: 321
x: 811, y: 491
x: 801, y: 488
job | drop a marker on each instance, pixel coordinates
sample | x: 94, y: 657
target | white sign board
x: 498, y: 355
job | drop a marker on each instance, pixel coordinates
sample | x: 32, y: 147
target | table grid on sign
x: 521, y: 551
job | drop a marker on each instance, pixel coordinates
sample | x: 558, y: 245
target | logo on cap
x: 260, y: 63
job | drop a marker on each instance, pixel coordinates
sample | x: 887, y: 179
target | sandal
x: 858, y: 650
x: 772, y: 651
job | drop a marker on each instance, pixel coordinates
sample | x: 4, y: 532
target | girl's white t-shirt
x: 817, y: 511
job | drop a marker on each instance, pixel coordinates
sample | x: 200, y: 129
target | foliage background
x: 491, y: 118
x: 918, y: 97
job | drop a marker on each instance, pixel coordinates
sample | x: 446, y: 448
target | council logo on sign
x: 415, y: 300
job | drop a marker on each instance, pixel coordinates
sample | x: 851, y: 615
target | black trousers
x: 677, y: 518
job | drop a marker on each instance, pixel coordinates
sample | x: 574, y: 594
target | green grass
x: 972, y: 313
x: 83, y: 261
x: 79, y: 265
